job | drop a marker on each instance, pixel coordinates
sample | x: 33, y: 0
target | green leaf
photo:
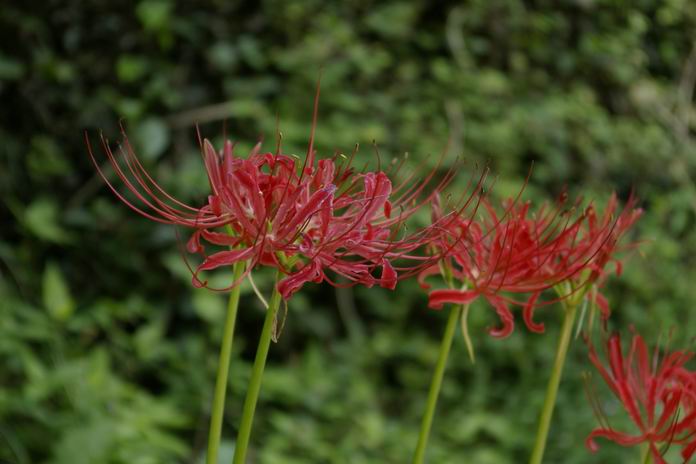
x: 155, y: 15
x: 46, y: 158
x: 10, y: 69
x: 41, y: 218
x: 223, y: 56
x: 147, y: 339
x: 208, y: 305
x: 152, y: 136
x: 130, y: 68
x: 86, y: 443
x: 56, y: 294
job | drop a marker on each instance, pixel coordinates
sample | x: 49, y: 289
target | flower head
x: 501, y: 256
x: 603, y: 233
x: 658, y: 394
x: 302, y: 219
x: 303, y: 216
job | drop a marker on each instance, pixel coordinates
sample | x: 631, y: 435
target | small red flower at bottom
x: 659, y: 396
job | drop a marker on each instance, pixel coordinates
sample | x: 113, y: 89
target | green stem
x: 223, y: 369
x: 554, y: 382
x: 436, y: 383
x: 252, y: 395
x: 465, y: 332
x: 645, y: 454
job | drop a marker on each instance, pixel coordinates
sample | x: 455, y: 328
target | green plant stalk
x: 435, y: 384
x: 254, y: 388
x: 645, y: 454
x: 465, y: 333
x: 555, y: 380
x: 221, y: 381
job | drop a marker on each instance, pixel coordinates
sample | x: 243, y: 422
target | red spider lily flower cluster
x: 309, y: 220
x: 659, y: 395
x: 303, y: 217
x: 519, y: 252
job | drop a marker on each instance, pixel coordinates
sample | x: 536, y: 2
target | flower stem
x: 465, y: 332
x: 645, y: 455
x: 223, y: 369
x: 435, y: 384
x: 555, y: 380
x: 254, y: 388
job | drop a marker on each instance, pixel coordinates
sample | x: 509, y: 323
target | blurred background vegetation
x: 108, y: 355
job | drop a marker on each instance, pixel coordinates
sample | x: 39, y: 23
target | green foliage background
x: 108, y: 355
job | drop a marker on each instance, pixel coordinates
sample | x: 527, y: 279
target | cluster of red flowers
x: 306, y: 217
x: 659, y: 396
x: 520, y: 252
x: 309, y: 217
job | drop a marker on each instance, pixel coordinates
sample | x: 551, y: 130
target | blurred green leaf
x: 210, y: 306
x: 147, y: 340
x: 10, y: 69
x: 46, y: 159
x: 130, y: 68
x: 393, y: 19
x: 86, y: 443
x: 223, y: 55
x: 56, y: 293
x: 42, y: 218
x: 154, y: 14
x: 152, y: 136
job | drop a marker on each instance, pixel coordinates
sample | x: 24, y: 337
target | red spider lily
x: 657, y: 394
x: 594, y: 245
x: 303, y: 217
x: 320, y: 218
x: 524, y: 253
x: 606, y: 230
x: 316, y: 218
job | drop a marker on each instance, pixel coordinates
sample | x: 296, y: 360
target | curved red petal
x: 225, y: 258
x: 528, y: 314
x: 389, y: 276
x: 438, y: 298
x: 506, y: 317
